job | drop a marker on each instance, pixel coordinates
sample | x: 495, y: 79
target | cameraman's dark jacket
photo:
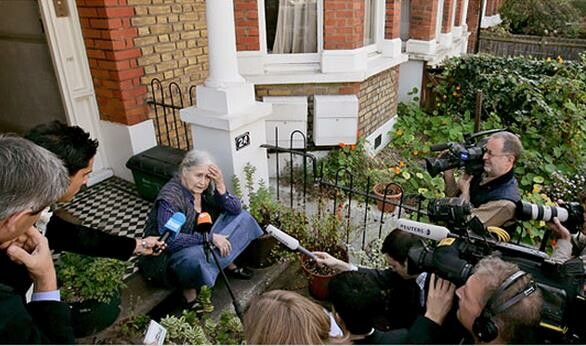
x: 503, y: 188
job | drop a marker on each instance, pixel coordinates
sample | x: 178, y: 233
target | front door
x: 29, y: 91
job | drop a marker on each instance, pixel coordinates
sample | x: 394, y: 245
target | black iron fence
x: 352, y: 203
x: 166, y: 104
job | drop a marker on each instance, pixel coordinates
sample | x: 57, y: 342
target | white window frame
x: 379, y: 28
x: 439, y: 19
x: 291, y: 58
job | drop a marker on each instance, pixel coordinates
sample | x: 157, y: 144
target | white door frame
x: 73, y: 74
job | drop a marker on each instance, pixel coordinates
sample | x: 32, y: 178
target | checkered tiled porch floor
x: 113, y: 206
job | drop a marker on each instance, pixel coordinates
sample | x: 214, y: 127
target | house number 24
x: 242, y: 141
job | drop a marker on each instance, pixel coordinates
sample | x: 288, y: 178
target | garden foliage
x: 543, y: 17
x: 543, y: 101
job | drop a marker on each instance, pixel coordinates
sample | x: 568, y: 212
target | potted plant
x: 324, y: 233
x: 92, y: 287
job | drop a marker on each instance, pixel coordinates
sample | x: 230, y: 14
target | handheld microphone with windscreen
x: 288, y: 241
x: 204, y: 222
x: 172, y: 227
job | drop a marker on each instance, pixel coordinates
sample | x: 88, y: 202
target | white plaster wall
x: 410, y: 76
x: 121, y: 142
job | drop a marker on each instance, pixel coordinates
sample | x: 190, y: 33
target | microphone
x: 288, y: 241
x: 203, y: 222
x: 172, y: 227
x: 420, y: 228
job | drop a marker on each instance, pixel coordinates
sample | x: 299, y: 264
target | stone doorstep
x: 139, y: 297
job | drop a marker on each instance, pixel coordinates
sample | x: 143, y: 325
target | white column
x: 223, y: 63
x: 227, y: 121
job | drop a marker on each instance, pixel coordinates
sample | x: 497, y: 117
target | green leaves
x: 83, y: 277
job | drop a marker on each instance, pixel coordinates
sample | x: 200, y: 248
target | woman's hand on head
x: 216, y: 175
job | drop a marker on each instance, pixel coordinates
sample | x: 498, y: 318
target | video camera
x: 454, y: 258
x: 570, y: 214
x: 468, y: 155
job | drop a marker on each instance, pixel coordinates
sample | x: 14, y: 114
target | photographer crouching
x: 494, y: 192
x: 570, y: 245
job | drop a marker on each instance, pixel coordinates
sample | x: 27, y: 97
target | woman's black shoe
x: 240, y: 273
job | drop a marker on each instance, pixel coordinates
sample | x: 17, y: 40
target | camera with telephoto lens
x: 468, y: 155
x: 571, y: 214
x: 454, y: 257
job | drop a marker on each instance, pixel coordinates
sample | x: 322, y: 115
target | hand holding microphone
x: 172, y: 227
x: 288, y: 241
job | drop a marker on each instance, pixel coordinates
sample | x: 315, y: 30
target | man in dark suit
x: 30, y: 179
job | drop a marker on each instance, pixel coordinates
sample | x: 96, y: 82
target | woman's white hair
x: 194, y: 158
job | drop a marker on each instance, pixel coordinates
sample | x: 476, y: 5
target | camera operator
x: 499, y: 303
x: 495, y: 192
x: 567, y: 244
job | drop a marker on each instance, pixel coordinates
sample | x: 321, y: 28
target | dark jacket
x: 66, y: 236
x: 423, y: 331
x: 503, y: 187
x: 403, y: 303
x: 46, y: 322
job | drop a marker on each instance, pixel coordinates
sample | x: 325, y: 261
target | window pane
x: 291, y: 26
x: 369, y: 21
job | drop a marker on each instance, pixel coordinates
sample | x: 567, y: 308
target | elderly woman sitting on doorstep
x: 199, y: 187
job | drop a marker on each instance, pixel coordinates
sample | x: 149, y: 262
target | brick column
x: 472, y: 21
x: 246, y: 19
x: 392, y: 42
x: 393, y: 19
x: 109, y: 40
x: 423, y: 19
x: 343, y: 24
x: 422, y: 35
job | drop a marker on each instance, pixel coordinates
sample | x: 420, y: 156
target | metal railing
x: 356, y: 200
x: 170, y: 129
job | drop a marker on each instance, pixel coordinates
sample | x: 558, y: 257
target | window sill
x: 297, y: 73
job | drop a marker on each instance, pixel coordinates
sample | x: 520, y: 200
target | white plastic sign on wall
x: 335, y: 119
x: 289, y: 114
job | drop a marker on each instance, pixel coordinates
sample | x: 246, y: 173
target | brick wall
x: 447, y: 16
x: 393, y: 19
x: 246, y: 21
x: 172, y: 38
x: 378, y: 98
x: 343, y: 24
x: 109, y: 39
x: 423, y: 19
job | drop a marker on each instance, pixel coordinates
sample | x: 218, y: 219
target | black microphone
x: 172, y: 227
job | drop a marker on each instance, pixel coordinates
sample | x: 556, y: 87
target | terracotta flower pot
x: 393, y: 197
x: 318, y: 283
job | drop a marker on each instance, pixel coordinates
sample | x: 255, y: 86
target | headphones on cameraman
x: 484, y: 328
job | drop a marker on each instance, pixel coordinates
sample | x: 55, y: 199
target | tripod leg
x: 235, y: 302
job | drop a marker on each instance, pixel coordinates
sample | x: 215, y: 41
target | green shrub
x: 541, y: 17
x: 83, y: 277
x: 544, y: 101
